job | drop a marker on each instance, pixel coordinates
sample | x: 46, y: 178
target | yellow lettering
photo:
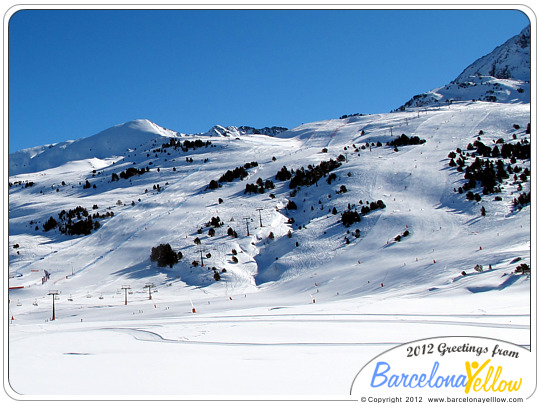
x: 488, y: 376
x: 501, y: 387
x: 497, y: 374
x: 515, y: 387
x: 471, y: 376
x: 477, y: 383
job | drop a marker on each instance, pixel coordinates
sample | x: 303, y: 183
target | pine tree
x: 50, y: 224
x: 164, y: 255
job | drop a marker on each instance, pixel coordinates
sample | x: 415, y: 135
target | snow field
x: 285, y: 319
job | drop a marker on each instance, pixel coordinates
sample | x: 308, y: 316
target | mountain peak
x: 511, y: 60
x: 503, y: 75
x: 141, y: 125
x: 137, y: 123
x: 114, y: 141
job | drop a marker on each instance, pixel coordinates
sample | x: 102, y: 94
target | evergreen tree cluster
x: 164, y: 255
x: 283, y: 174
x: 186, y: 145
x: 522, y: 200
x: 77, y: 212
x: 489, y: 168
x: 351, y: 115
x: 291, y: 205
x: 372, y: 206
x: 156, y: 187
x: 371, y: 145
x: 259, y: 187
x: 519, y: 150
x: 231, y: 232
x: 77, y: 221
x: 82, y: 227
x: 331, y: 177
x: 26, y: 183
x: 51, y: 223
x: 487, y: 173
x: 351, y: 216
x: 523, y: 268
x: 213, y: 184
x: 129, y: 172
x: 107, y: 214
x: 311, y: 175
x: 215, y: 222
x: 231, y: 175
x: 404, y: 140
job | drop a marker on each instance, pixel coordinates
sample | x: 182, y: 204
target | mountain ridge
x: 150, y: 185
x: 496, y: 77
x: 117, y: 140
x: 503, y: 75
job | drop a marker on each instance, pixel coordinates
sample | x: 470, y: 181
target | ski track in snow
x: 328, y: 319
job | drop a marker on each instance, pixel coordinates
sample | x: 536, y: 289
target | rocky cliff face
x: 233, y: 131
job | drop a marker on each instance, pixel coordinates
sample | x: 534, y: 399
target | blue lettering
x: 433, y: 372
x: 393, y: 381
x: 461, y: 381
x: 404, y: 380
x: 382, y: 377
x: 376, y: 374
x: 421, y: 381
x: 414, y: 378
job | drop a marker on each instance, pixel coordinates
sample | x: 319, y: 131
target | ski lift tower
x: 149, y: 286
x: 54, y: 293
x: 201, y: 250
x: 260, y: 217
x: 247, y: 219
x: 126, y: 288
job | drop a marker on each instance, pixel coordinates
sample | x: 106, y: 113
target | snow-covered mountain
x: 511, y: 60
x: 263, y: 256
x: 110, y: 143
x: 501, y: 76
x: 233, y: 131
x: 114, y: 142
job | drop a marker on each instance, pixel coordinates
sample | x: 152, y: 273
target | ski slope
x: 296, y: 315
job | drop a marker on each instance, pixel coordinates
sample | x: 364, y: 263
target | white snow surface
x: 285, y: 319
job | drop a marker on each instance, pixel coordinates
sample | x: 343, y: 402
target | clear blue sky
x: 75, y: 73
